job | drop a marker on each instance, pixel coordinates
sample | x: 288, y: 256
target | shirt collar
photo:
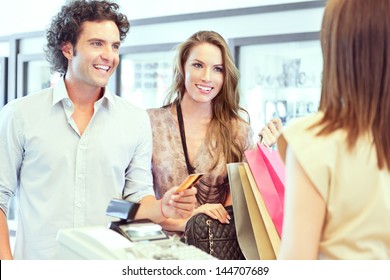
x: 109, y: 96
x: 60, y: 93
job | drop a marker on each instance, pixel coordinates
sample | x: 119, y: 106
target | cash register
x: 125, y: 239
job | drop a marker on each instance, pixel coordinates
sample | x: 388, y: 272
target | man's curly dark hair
x: 66, y: 27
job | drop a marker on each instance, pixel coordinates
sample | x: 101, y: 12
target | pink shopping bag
x: 276, y: 168
x: 269, y: 171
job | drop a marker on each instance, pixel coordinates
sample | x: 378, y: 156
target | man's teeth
x: 102, y: 67
x: 204, y: 88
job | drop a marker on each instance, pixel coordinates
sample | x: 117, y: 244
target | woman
x: 202, y: 116
x: 337, y: 200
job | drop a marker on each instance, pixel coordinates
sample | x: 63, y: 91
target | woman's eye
x: 197, y: 65
x: 219, y: 69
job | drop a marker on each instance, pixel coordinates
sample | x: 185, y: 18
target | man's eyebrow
x: 95, y: 39
x: 102, y: 40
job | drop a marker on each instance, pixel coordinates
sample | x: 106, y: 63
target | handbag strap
x: 190, y: 169
x: 211, y: 237
x: 204, y: 188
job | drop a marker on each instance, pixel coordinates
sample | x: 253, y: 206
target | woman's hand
x: 215, y: 211
x: 271, y: 132
x: 178, y: 205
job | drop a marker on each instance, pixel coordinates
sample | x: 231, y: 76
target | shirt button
x: 81, y: 176
x: 79, y: 204
x: 68, y: 103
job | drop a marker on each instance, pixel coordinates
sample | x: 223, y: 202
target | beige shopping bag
x: 266, y: 235
x: 244, y: 230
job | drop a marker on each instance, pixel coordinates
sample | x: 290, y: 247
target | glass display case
x: 3, y: 80
x: 34, y: 74
x: 280, y: 76
x: 146, y: 74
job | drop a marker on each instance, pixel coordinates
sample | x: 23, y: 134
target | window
x: 280, y: 76
x: 146, y: 74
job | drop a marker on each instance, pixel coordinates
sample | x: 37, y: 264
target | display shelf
x: 146, y: 74
x: 280, y: 75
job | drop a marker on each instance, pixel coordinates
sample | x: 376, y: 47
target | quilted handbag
x: 213, y: 237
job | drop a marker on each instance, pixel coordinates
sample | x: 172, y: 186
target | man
x: 65, y: 152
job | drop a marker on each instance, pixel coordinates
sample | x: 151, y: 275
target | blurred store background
x: 275, y: 44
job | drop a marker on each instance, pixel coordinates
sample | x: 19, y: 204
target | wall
x: 21, y: 16
x: 233, y: 19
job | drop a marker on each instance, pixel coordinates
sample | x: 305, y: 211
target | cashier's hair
x: 66, y: 27
x: 355, y: 97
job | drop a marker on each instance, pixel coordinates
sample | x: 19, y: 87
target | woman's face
x: 204, y: 72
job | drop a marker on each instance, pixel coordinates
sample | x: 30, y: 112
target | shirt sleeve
x: 139, y: 181
x: 11, y: 154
